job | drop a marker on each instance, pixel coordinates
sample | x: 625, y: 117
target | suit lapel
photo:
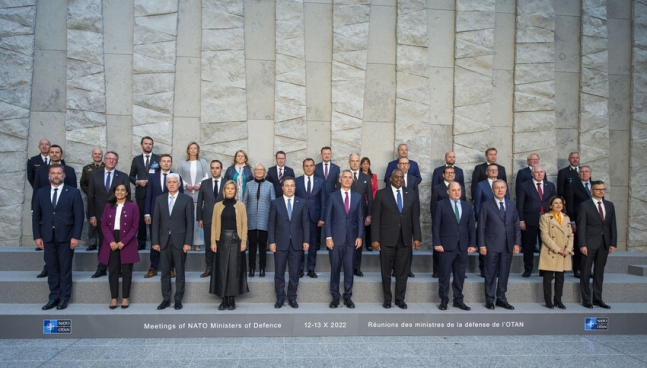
x: 61, y: 195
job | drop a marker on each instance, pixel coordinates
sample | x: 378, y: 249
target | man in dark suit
x: 172, y: 237
x: 395, y: 227
x: 454, y: 236
x: 288, y: 234
x: 410, y: 182
x: 596, y: 222
x: 577, y: 192
x: 143, y: 165
x: 209, y: 194
x: 33, y: 163
x: 525, y: 174
x: 437, y: 176
x: 276, y: 173
x: 84, y: 182
x: 344, y: 233
x: 403, y: 151
x: 499, y: 237
x: 57, y: 222
x: 362, y: 186
x: 438, y: 193
x: 532, y: 202
x: 480, y: 174
x: 41, y: 178
x: 329, y: 172
x: 155, y: 187
x: 102, y: 183
x: 312, y: 189
x: 568, y: 174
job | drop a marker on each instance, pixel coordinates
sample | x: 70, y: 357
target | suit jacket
x: 497, y: 233
x: 528, y: 203
x: 344, y: 228
x: 592, y: 229
x: 258, y: 209
x: 179, y: 222
x: 452, y: 234
x: 42, y: 179
x: 565, y: 177
x: 438, y: 193
x: 365, y: 189
x: 273, y: 177
x: 206, y: 200
x: 333, y: 176
x: 479, y: 175
x: 437, y: 176
x: 413, y: 170
x: 138, y: 171
x: 97, y: 195
x: 33, y: 164
x: 154, y: 189
x: 128, y: 226
x: 67, y: 218
x: 483, y: 194
x: 316, y: 200
x: 281, y: 229
x: 523, y: 176
x: 387, y: 222
x: 575, y: 195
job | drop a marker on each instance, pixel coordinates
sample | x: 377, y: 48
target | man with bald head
x: 450, y: 161
x: 86, y: 173
x: 42, y: 158
x: 403, y: 151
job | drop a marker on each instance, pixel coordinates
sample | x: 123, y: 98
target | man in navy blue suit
x: 525, y: 174
x: 363, y: 186
x: 454, y: 235
x: 450, y: 161
x: 276, y: 173
x: 41, y: 179
x: 499, y: 237
x: 155, y: 187
x: 57, y: 222
x: 403, y: 151
x: 288, y: 234
x: 532, y: 202
x: 344, y: 233
x: 312, y: 189
x: 329, y: 172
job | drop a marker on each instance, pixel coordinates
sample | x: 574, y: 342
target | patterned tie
x: 215, y: 188
x: 108, y: 182
x: 239, y: 183
x: 280, y: 175
x: 309, y: 186
x: 170, y: 204
x: 347, y: 203
x: 289, y: 209
x: 502, y: 210
x: 458, y: 215
x: 600, y: 210
x: 541, y: 197
x: 54, y: 198
x: 164, y: 185
x: 326, y: 171
x: 588, y: 191
x: 399, y: 201
x: 355, y: 178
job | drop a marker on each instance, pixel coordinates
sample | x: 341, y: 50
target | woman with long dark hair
x: 365, y: 166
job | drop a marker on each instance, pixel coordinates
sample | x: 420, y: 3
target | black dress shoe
x: 526, y: 274
x: 411, y: 274
x: 312, y: 274
x: 587, y: 305
x: 489, y: 305
x: 369, y: 248
x: 601, y: 304
x: 62, y: 305
x: 141, y: 247
x: 386, y: 304
x: 401, y: 304
x: 550, y: 305
x: 278, y: 304
x: 293, y: 304
x: 206, y: 273
x: 91, y: 247
x: 301, y: 274
x: 100, y: 272
x: 165, y: 304
x: 42, y: 273
x: 224, y: 303
x: 559, y: 304
x: 261, y: 273
x: 482, y: 274
x: 349, y: 303
x: 576, y: 274
x: 334, y: 303
x: 178, y: 305
x: 461, y: 305
x: 232, y: 303
x: 37, y: 249
x: 50, y: 304
x: 358, y: 273
x: 434, y: 275
x: 503, y: 304
x: 251, y: 272
x: 443, y: 305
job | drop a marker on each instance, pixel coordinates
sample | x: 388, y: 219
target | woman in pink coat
x: 119, y: 223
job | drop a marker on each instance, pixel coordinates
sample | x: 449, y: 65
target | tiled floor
x: 617, y: 351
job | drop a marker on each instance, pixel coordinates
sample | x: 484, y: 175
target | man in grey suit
x: 596, y: 223
x: 362, y: 186
x: 209, y: 194
x: 172, y: 237
x: 499, y: 237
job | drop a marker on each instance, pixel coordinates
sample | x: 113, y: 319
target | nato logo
x: 595, y: 324
x: 57, y: 326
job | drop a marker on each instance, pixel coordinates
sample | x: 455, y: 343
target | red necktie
x: 541, y: 196
x: 600, y: 210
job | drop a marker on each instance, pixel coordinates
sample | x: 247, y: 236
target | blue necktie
x: 108, y: 183
x: 399, y: 201
x: 502, y: 210
x: 54, y: 198
x: 215, y: 188
x: 309, y: 186
x: 289, y: 210
x: 588, y: 191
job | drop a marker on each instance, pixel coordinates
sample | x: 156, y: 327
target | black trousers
x: 100, y: 235
x: 577, y: 255
x: 114, y: 265
x: 451, y: 263
x: 559, y: 286
x: 529, y: 238
x: 394, y: 258
x: 257, y: 240
x: 168, y: 256
x: 141, y: 233
x: 597, y: 257
x: 208, y: 253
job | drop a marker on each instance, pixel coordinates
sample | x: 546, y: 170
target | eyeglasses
x: 600, y: 189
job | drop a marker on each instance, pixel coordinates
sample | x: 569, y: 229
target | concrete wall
x: 359, y: 75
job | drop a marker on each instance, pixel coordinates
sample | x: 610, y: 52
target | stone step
x: 25, y: 258
x: 638, y: 270
x: 24, y: 287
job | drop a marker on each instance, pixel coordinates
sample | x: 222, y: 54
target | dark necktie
x: 280, y: 175
x: 289, y: 209
x: 309, y: 186
x: 458, y: 215
x: 215, y: 188
x: 399, y: 201
x: 347, y: 203
x: 541, y: 197
x: 502, y: 210
x: 588, y: 191
x: 164, y: 185
x: 108, y: 182
x: 600, y: 210
x: 148, y: 163
x: 54, y: 198
x: 355, y: 178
